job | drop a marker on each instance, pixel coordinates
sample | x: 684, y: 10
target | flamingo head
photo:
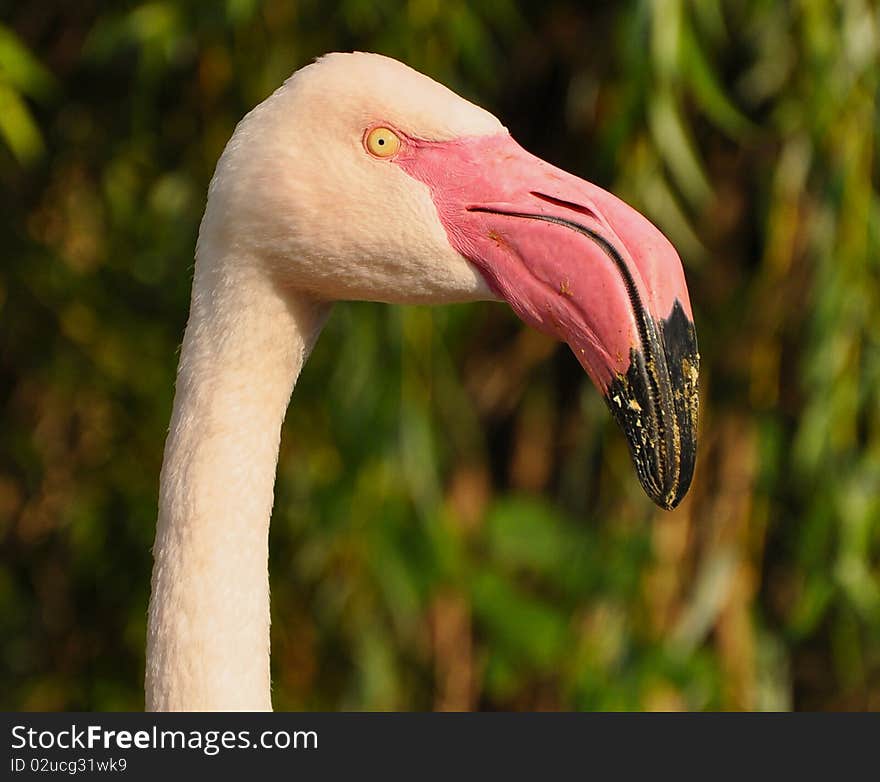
x: 360, y: 178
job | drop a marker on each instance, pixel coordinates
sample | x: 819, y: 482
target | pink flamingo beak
x: 577, y: 263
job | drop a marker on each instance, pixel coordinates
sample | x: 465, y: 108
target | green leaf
x: 707, y: 89
x: 677, y: 149
x: 531, y: 630
x: 17, y: 127
x: 21, y: 70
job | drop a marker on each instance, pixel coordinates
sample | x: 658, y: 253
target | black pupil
x: 381, y: 141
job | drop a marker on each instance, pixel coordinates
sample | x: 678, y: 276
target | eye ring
x: 382, y: 142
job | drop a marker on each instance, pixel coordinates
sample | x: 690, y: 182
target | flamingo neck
x: 245, y: 344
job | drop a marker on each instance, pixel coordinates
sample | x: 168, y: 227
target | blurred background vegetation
x: 457, y: 523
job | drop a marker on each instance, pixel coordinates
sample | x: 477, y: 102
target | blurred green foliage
x: 457, y: 524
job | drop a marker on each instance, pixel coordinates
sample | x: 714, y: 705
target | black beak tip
x: 656, y: 405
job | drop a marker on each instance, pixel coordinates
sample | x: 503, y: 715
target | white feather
x: 298, y: 215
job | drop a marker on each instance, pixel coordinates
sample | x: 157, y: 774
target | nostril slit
x: 584, y: 210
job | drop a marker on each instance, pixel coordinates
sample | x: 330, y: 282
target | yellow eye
x: 382, y: 142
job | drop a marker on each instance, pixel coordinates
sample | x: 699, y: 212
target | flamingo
x: 362, y: 179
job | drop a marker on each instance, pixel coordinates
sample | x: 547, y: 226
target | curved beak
x: 576, y: 262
